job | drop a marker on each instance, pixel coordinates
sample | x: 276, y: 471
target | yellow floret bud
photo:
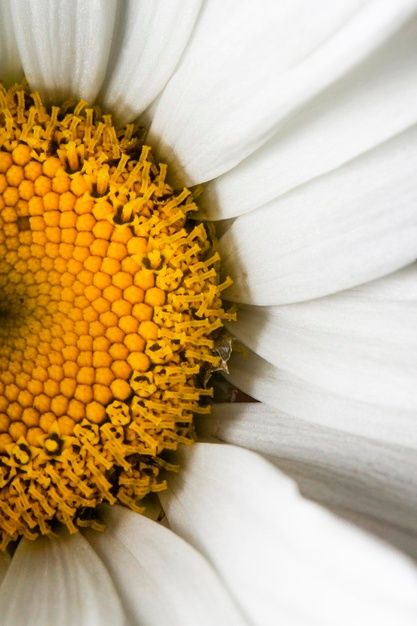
x: 6, y: 161
x: 21, y: 154
x: 155, y: 297
x: 142, y: 311
x: 51, y: 166
x: 95, y: 412
x: 148, y: 330
x: 15, y: 175
x: 42, y: 186
x: 61, y: 183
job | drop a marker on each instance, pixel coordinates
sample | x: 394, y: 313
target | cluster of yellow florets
x: 109, y: 298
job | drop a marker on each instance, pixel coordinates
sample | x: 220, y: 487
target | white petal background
x: 301, y: 118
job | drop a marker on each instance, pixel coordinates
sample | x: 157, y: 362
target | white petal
x: 403, y: 540
x: 10, y: 66
x: 161, y: 579
x: 360, y: 343
x: 247, y: 69
x: 58, y: 581
x: 336, y: 468
x: 287, y: 560
x: 306, y: 401
x: 64, y: 46
x: 371, y: 104
x: 149, y: 42
x: 352, y: 225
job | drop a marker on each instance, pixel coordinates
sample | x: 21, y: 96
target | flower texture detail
x: 110, y: 305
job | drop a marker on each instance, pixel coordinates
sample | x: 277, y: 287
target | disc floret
x: 110, y: 305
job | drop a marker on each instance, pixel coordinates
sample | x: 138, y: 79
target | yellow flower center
x: 109, y: 307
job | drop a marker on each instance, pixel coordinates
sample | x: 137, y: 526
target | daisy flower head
x: 131, y: 132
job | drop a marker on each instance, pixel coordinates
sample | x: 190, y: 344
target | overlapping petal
x: 342, y: 229
x: 285, y: 559
x: 64, y: 46
x: 58, y: 581
x: 148, y: 43
x: 247, y: 70
x: 403, y: 539
x: 360, y: 343
x: 341, y: 470
x: 161, y: 579
x: 309, y: 402
x: 371, y: 104
x: 340, y: 373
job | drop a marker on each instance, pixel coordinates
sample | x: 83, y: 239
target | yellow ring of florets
x: 109, y: 301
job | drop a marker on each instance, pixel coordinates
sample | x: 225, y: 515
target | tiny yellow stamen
x: 109, y: 308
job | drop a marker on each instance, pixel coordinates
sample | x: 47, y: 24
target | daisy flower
x: 299, y: 122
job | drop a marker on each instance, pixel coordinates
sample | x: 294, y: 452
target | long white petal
x: 160, y: 578
x: 287, y: 560
x: 371, y: 104
x: 301, y: 399
x: 148, y: 44
x: 339, y: 469
x: 58, y: 581
x: 64, y: 46
x: 360, y: 343
x: 347, y: 227
x: 247, y: 70
x: 10, y: 65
